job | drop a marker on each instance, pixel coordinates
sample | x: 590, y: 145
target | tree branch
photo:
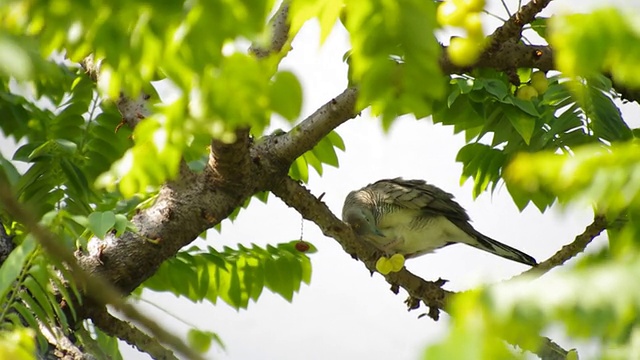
x: 279, y: 33
x: 509, y: 56
x: 64, y: 347
x: 578, y: 245
x: 311, y: 130
x: 511, y: 30
x: 115, y: 327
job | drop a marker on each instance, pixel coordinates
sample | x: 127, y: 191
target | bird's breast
x: 413, y: 235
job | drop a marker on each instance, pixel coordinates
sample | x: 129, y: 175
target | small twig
x: 506, y: 8
x: 578, y: 245
x: 512, y: 28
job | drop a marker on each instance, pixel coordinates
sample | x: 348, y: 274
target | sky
x: 346, y: 313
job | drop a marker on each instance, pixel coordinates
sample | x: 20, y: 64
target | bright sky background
x: 346, y: 313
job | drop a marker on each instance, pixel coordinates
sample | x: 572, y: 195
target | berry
x: 302, y: 246
x: 526, y: 92
x: 463, y: 51
x: 539, y: 82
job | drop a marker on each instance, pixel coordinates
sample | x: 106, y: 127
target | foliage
x: 32, y: 294
x: 235, y: 276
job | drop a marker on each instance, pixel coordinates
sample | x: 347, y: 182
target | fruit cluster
x: 537, y: 86
x: 465, y: 14
x: 386, y: 265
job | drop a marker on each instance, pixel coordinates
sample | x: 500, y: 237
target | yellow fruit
x: 397, y: 262
x: 470, y: 5
x: 383, y: 265
x: 526, y: 92
x: 463, y: 51
x: 539, y: 82
x: 473, y: 25
x: 450, y: 14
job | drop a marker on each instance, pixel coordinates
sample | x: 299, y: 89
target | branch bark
x: 578, y: 245
x: 115, y: 327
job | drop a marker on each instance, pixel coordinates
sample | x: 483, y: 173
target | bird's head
x: 362, y: 221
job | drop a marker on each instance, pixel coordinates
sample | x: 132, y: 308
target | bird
x: 413, y: 218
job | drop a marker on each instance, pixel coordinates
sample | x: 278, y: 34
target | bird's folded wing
x: 418, y: 195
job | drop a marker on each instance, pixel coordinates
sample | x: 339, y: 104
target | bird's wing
x: 418, y: 195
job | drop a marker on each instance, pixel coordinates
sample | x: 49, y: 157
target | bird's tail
x: 495, y: 247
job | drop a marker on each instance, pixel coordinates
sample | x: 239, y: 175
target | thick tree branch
x: 311, y: 130
x: 115, y: 327
x: 229, y: 164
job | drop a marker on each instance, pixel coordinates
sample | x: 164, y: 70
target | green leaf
x: 15, y: 60
x: 525, y: 105
x: 311, y: 159
x: 235, y: 276
x: 121, y: 224
x: 483, y: 164
x: 327, y: 12
x: 460, y: 114
x: 394, y: 58
x: 336, y: 140
x: 496, y: 88
x: 286, y: 95
x: 325, y: 152
x: 299, y: 170
x: 101, y: 222
x: 12, y: 266
x: 200, y: 341
x: 18, y: 344
x: 9, y: 170
x: 604, y: 40
x: 607, y: 123
x: 539, y: 25
x: 522, y: 122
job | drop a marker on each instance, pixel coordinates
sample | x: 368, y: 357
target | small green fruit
x: 384, y: 266
x: 397, y: 262
x: 463, y: 51
x: 450, y: 14
x: 526, y: 92
x: 539, y: 82
x: 473, y: 25
x: 470, y: 5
